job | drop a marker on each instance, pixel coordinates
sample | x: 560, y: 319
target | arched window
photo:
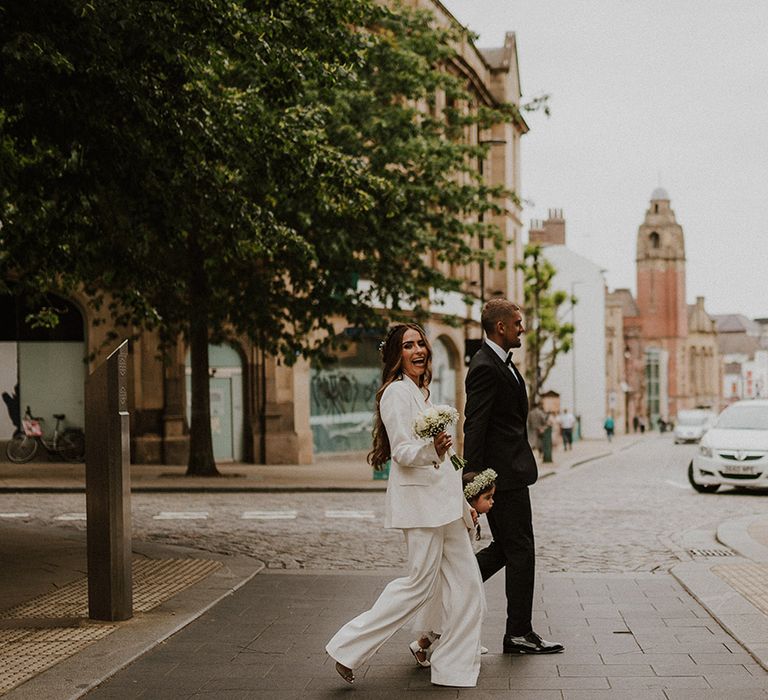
x: 655, y: 240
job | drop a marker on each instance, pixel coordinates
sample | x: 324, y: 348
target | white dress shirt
x: 503, y: 355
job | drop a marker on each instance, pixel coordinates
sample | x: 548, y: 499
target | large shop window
x: 343, y: 397
x: 43, y: 368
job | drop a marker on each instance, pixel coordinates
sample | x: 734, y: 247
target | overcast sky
x: 647, y: 92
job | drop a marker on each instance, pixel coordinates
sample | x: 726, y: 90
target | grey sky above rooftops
x: 658, y: 93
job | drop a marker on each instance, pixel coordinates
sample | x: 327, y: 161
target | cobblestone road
x: 619, y: 514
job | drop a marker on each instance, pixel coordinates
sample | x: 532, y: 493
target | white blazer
x: 418, y: 495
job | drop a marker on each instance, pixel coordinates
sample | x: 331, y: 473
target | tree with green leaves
x: 211, y: 168
x: 548, y: 336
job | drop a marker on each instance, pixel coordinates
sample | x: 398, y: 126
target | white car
x: 734, y: 452
x: 690, y: 426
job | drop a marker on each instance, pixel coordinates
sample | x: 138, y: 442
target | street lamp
x: 573, y: 351
x: 625, y: 387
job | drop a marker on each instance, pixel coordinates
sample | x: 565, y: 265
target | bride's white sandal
x: 417, y: 650
x: 346, y: 673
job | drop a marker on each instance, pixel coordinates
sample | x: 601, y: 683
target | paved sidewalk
x: 734, y: 588
x: 329, y: 473
x: 48, y: 645
x: 627, y: 636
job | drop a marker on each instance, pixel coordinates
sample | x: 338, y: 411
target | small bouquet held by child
x: 433, y: 421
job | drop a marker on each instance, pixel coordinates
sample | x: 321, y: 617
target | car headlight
x: 705, y: 451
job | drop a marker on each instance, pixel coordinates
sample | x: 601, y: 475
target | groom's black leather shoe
x: 530, y: 643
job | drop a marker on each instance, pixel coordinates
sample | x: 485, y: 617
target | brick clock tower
x: 662, y: 306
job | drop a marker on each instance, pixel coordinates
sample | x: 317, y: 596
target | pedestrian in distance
x: 538, y: 420
x: 496, y: 437
x: 566, y: 420
x: 609, y: 427
x: 425, y: 500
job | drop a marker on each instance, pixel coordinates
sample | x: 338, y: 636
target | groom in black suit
x: 496, y: 437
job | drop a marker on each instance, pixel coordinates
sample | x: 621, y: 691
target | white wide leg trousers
x: 434, y: 554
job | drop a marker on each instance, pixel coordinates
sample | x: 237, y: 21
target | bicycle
x: 68, y: 443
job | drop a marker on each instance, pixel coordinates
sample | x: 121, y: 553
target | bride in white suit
x: 426, y: 501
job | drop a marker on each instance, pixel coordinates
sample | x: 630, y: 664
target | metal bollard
x: 108, y: 489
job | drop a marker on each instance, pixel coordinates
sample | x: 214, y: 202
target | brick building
x: 671, y: 358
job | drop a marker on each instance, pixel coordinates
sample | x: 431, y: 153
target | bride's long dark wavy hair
x: 392, y: 356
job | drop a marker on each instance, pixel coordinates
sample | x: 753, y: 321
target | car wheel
x: 701, y: 488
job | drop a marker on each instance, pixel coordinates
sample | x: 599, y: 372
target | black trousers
x: 513, y: 550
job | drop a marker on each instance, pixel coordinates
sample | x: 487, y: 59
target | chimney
x: 549, y: 232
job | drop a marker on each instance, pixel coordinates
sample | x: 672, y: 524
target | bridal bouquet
x: 433, y: 421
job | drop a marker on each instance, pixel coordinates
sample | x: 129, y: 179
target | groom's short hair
x: 495, y: 310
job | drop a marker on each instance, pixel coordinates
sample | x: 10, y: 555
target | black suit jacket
x: 495, y: 422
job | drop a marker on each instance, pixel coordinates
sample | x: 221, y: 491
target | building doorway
x: 226, y: 396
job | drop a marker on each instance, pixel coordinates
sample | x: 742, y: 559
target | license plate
x: 739, y: 469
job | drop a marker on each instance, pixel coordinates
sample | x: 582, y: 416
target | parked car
x: 690, y: 426
x: 734, y: 451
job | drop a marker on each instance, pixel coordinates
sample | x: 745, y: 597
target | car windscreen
x: 744, y: 418
x: 691, y: 420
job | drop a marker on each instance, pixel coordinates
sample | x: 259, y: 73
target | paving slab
x: 735, y: 594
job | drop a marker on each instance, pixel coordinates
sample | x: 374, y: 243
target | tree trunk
x: 201, y: 462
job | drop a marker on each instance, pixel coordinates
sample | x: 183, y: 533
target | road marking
x: 181, y: 515
x: 356, y: 514
x: 71, y: 516
x: 676, y: 485
x: 269, y: 515
x: 14, y: 515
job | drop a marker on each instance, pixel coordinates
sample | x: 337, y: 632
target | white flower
x: 434, y: 420
x: 482, y: 481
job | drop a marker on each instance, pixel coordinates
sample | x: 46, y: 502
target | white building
x: 743, y: 345
x: 579, y: 375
